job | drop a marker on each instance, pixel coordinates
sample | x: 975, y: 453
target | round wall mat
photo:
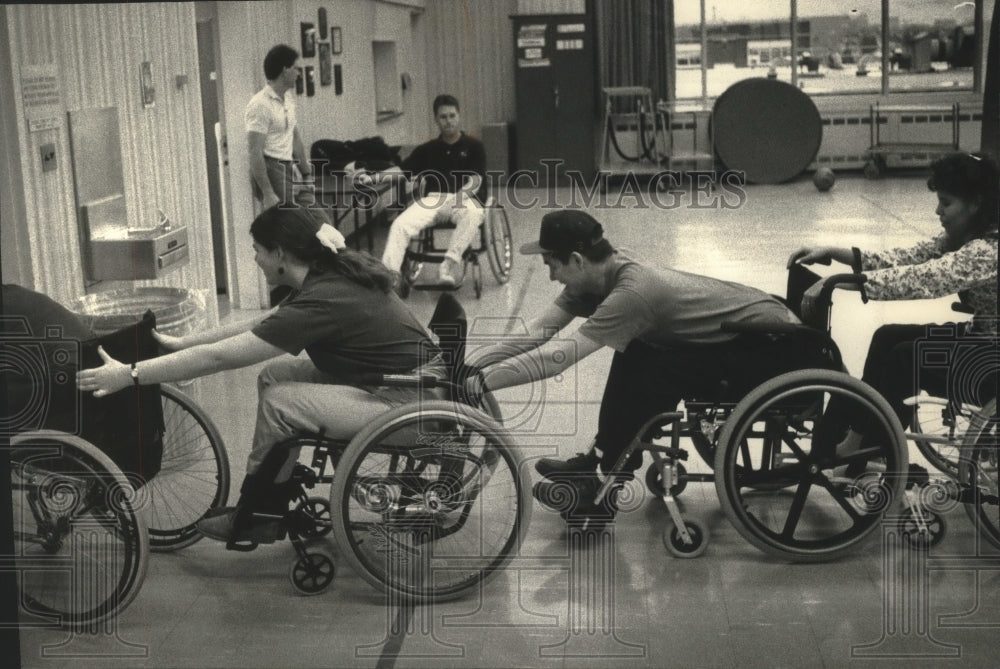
x: 767, y: 129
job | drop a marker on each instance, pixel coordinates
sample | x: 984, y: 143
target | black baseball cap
x: 565, y: 231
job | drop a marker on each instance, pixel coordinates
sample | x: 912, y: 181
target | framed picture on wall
x: 310, y: 81
x: 325, y: 72
x: 308, y: 39
x: 299, y: 82
x: 336, y: 40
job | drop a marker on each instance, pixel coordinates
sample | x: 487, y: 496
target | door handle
x: 555, y: 96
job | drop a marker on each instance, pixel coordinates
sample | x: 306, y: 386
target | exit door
x: 555, y: 63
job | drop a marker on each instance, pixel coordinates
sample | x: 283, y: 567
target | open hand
x: 809, y: 255
x: 109, y: 378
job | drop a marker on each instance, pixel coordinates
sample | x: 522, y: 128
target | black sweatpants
x: 646, y: 380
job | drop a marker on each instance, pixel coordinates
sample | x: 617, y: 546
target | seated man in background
x: 666, y: 329
x: 452, y: 169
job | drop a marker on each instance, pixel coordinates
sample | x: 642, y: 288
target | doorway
x: 215, y: 144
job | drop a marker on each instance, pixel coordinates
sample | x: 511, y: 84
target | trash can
x: 178, y: 311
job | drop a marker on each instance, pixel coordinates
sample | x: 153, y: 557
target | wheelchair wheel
x: 499, y: 241
x: 429, y: 501
x: 194, y: 477
x: 80, y: 546
x: 946, y: 424
x: 781, y: 491
x: 977, y: 472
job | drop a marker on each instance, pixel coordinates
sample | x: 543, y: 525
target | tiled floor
x: 616, y: 599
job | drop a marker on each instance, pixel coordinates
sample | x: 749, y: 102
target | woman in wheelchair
x: 342, y: 312
x: 962, y: 259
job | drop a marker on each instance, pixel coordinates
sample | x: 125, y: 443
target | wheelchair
x: 495, y: 241
x: 773, y: 456
x: 83, y: 528
x: 959, y: 439
x: 426, y: 503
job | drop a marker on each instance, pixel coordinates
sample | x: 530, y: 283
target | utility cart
x: 907, y: 115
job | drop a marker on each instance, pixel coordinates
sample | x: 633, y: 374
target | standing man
x: 666, y: 329
x: 453, y: 171
x: 273, y: 135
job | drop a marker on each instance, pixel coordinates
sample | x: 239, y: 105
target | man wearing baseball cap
x: 666, y: 329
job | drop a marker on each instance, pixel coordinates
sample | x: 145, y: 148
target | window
x: 838, y: 46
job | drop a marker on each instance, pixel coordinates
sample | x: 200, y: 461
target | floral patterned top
x: 926, y: 271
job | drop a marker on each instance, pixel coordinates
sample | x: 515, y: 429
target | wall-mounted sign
x: 570, y: 28
x: 41, y: 97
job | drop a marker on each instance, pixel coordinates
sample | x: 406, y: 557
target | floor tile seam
x: 879, y: 206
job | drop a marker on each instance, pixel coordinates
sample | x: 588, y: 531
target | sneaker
x: 573, y: 499
x: 223, y: 526
x: 581, y: 463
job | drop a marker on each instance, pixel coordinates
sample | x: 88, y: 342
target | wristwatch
x: 135, y: 374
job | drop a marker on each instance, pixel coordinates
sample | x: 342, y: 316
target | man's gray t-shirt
x: 667, y: 307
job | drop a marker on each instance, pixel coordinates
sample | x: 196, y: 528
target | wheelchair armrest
x: 399, y: 380
x: 754, y: 327
x: 830, y: 284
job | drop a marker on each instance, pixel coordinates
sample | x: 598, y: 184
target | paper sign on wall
x: 41, y: 96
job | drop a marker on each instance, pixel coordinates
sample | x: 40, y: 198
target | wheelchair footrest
x: 241, y: 546
x: 437, y: 286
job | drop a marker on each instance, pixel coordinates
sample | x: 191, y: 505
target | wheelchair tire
x: 408, y: 501
x: 977, y: 471
x: 771, y: 481
x: 194, y: 477
x: 80, y: 544
x: 930, y: 418
x: 498, y: 241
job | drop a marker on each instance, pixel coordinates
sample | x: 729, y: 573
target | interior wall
x: 97, y: 50
x: 470, y: 54
x: 247, y: 30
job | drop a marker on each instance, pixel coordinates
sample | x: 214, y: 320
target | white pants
x: 467, y: 215
x: 294, y: 397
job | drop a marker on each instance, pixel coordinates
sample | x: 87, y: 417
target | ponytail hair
x: 294, y: 230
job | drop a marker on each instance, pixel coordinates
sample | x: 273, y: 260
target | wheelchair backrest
x: 450, y: 326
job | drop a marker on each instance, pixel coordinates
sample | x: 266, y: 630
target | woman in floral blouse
x: 962, y: 260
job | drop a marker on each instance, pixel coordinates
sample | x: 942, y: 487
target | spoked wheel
x: 499, y: 241
x: 80, y: 547
x: 695, y: 545
x: 943, y: 425
x: 923, y: 531
x: 316, y: 510
x: 194, y: 477
x: 428, y: 501
x: 977, y: 472
x: 787, y: 495
x: 312, y: 573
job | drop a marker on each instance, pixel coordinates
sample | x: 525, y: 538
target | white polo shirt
x: 273, y: 117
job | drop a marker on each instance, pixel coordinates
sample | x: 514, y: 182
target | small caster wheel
x: 922, y: 538
x: 676, y: 545
x: 654, y: 480
x: 317, y: 511
x: 872, y: 170
x: 312, y: 574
